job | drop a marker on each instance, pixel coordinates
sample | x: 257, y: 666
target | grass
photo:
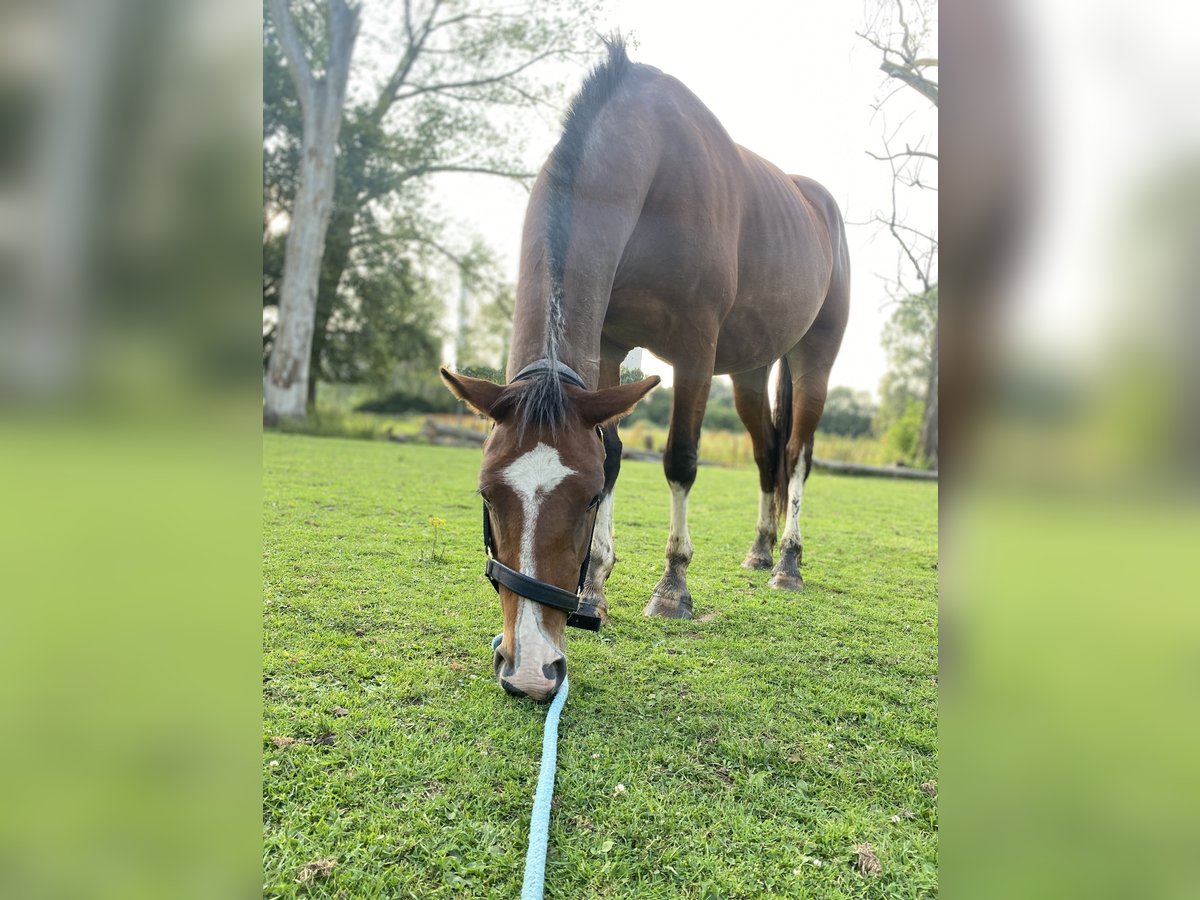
x: 758, y: 744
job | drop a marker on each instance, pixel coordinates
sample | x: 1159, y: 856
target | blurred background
x: 135, y: 135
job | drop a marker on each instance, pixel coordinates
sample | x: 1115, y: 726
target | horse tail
x: 783, y: 433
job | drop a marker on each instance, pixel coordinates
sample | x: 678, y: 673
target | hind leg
x: 754, y: 409
x: 812, y: 358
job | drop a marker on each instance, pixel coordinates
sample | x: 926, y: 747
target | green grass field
x: 758, y: 744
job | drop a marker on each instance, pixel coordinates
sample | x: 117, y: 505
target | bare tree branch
x: 478, y: 82
x: 914, y: 79
x: 416, y: 44
x: 418, y: 171
x: 906, y: 152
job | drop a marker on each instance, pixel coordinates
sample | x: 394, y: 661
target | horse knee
x: 679, y: 464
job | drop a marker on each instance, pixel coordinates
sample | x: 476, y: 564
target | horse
x: 648, y: 227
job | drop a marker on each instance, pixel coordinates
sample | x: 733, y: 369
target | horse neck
x: 579, y: 346
x: 606, y: 197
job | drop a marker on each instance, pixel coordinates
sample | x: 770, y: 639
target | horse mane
x: 544, y: 401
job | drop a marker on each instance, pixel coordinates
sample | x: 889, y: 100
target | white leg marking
x: 766, y: 515
x: 602, y: 545
x: 679, y: 543
x: 791, y: 529
x: 532, y: 476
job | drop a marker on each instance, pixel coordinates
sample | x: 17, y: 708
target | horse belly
x: 769, y: 317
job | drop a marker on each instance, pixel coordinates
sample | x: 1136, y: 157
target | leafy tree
x: 489, y: 332
x: 905, y: 34
x: 720, y: 414
x: 320, y: 82
x: 903, y: 437
x: 443, y: 98
x: 910, y: 341
x: 389, y: 314
x: 847, y: 412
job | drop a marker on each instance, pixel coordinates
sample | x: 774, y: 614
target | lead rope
x: 534, y: 885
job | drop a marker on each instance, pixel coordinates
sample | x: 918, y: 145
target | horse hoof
x: 756, y: 562
x: 669, y: 607
x: 784, y: 582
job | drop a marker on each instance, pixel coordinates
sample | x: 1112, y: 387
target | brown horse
x: 648, y: 227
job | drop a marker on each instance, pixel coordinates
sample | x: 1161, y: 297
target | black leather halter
x: 579, y: 615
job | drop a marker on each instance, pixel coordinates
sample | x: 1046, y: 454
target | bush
x: 847, y: 413
x: 418, y: 392
x: 903, y: 437
x: 408, y: 402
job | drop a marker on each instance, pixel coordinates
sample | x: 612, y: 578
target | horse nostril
x: 555, y: 671
x: 501, y: 664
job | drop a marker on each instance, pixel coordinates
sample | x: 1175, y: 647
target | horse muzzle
x: 538, y: 676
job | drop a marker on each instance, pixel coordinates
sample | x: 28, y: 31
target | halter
x: 578, y: 615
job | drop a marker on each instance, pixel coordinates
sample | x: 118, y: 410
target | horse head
x: 541, y: 482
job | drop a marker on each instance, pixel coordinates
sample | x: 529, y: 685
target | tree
x: 901, y: 34
x: 489, y: 332
x: 321, y: 97
x: 910, y: 342
x: 847, y: 412
x: 446, y: 99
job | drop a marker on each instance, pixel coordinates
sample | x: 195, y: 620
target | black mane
x: 543, y: 402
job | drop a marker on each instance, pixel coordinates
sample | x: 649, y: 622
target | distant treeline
x: 847, y: 412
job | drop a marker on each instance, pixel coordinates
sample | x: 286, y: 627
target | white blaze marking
x: 532, y: 476
x: 679, y: 543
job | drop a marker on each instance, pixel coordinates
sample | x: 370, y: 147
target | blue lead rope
x: 539, y: 821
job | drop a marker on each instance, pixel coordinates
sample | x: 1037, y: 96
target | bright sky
x: 793, y: 83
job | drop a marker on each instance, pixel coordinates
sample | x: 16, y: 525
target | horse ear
x: 598, y: 407
x: 478, y: 393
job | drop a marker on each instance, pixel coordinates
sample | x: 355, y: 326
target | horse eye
x: 595, y: 501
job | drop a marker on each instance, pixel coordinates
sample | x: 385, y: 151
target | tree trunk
x: 929, y: 427
x: 288, y: 374
x: 285, y: 389
x: 338, y: 242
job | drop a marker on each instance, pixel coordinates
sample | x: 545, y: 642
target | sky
x: 790, y: 81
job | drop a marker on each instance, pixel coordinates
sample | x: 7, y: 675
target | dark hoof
x: 669, y: 607
x: 785, y: 582
x: 754, y: 561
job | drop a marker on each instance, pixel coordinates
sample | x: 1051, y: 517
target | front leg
x: 603, y: 556
x: 671, y: 598
x: 602, y: 560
